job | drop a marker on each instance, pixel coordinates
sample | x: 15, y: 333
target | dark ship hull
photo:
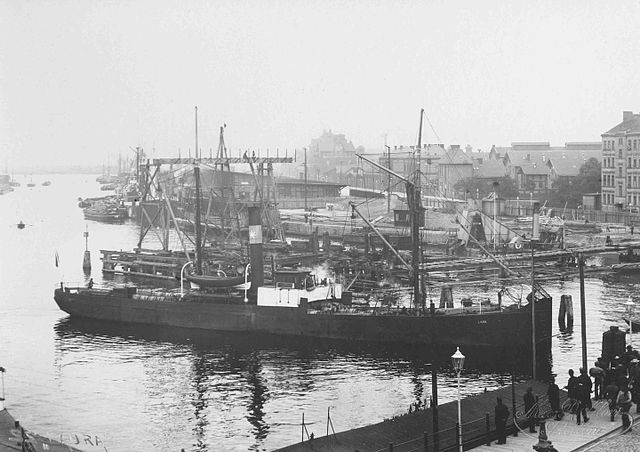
x: 508, y: 330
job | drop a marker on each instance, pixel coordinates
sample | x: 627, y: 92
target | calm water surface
x: 142, y: 389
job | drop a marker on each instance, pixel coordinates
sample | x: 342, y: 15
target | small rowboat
x: 215, y: 282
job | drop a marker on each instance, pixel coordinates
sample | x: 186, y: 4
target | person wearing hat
x: 585, y: 381
x: 501, y: 416
x: 624, y: 403
x: 598, y: 377
x: 572, y: 385
x: 611, y: 394
x: 553, y: 392
x: 634, y: 382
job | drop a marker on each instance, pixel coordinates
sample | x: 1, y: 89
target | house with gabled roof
x: 454, y: 166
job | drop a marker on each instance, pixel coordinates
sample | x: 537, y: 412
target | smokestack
x: 255, y: 248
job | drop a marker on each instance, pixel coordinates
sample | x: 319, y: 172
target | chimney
x: 627, y: 115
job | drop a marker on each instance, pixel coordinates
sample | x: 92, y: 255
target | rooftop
x: 630, y: 124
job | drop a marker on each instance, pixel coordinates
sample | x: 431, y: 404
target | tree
x: 569, y: 191
x: 506, y: 187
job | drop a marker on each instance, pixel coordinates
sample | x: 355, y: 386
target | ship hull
x: 507, y: 330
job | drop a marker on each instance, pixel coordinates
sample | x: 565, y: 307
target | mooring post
x: 86, y: 261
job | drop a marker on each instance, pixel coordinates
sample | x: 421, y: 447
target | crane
x: 416, y: 215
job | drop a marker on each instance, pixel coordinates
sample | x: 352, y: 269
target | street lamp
x: 457, y: 360
x: 630, y: 306
x: 495, y: 212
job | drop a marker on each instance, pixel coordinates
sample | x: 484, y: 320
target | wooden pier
x: 414, y: 432
x: 409, y: 432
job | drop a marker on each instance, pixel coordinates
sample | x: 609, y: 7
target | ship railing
x: 477, y: 431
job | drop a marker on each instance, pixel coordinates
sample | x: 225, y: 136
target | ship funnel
x: 255, y: 248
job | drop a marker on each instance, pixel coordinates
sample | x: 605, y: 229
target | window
x: 620, y: 141
x: 629, y: 162
x: 620, y: 153
x: 619, y: 171
x: 619, y: 188
x: 628, y: 181
x: 635, y: 143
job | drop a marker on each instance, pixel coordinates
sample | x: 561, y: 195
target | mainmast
x: 415, y: 209
x: 196, y: 174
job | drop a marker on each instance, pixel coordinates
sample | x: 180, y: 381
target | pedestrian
x: 530, y: 409
x: 585, y: 380
x: 624, y: 403
x: 634, y: 383
x: 501, y: 415
x: 611, y: 394
x: 553, y: 392
x: 583, y: 394
x: 571, y: 387
x: 631, y: 228
x: 608, y: 241
x: 597, y: 373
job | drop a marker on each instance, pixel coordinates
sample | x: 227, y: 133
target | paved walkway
x: 566, y: 435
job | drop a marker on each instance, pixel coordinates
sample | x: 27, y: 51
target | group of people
x: 618, y: 382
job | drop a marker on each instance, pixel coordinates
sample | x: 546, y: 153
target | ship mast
x: 196, y: 174
x: 415, y: 211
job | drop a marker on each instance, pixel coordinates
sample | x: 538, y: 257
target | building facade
x: 621, y: 164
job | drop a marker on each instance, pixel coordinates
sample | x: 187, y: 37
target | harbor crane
x: 416, y: 218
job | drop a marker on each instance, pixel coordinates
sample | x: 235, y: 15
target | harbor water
x: 131, y: 388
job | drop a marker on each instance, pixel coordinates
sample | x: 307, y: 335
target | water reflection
x: 266, y: 380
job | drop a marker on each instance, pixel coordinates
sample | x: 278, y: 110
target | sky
x: 83, y: 81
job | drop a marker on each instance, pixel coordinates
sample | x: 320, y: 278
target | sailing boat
x: 31, y: 184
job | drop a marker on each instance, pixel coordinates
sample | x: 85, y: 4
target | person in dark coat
x: 634, y: 382
x: 585, y: 380
x: 530, y: 409
x: 624, y: 403
x: 597, y: 373
x: 502, y: 414
x: 572, y: 385
x: 553, y: 392
x: 611, y: 394
x: 583, y: 394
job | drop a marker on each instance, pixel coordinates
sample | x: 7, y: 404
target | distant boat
x: 46, y: 183
x: 21, y: 225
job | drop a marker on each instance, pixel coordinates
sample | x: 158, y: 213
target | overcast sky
x: 83, y: 80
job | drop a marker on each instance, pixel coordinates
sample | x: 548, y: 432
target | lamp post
x: 630, y: 306
x: 495, y: 213
x: 457, y: 360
